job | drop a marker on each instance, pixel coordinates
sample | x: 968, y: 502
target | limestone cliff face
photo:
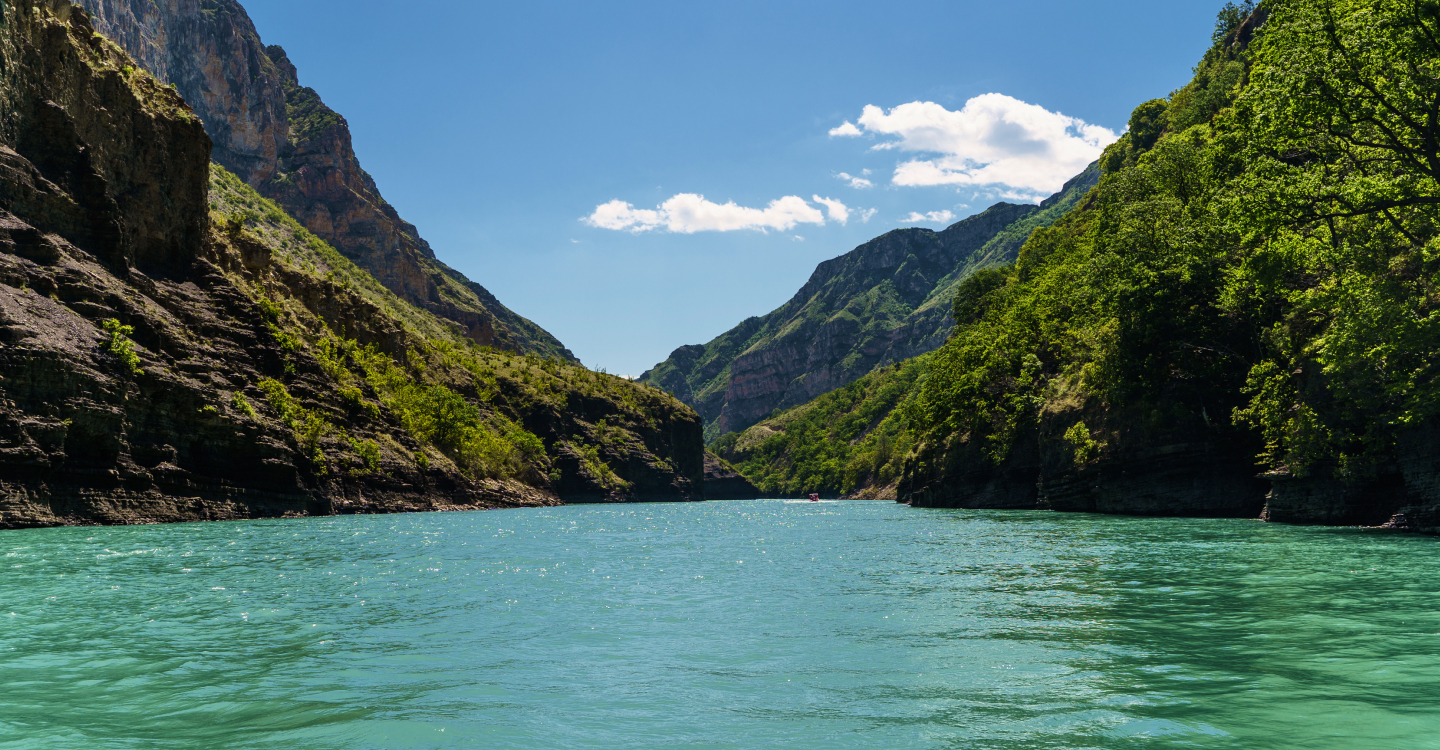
x: 210, y: 51
x: 280, y: 138
x: 885, y: 301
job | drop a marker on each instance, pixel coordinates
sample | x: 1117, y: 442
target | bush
x: 121, y: 346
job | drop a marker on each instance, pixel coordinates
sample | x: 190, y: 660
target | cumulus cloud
x: 859, y: 183
x: 934, y: 217
x: 688, y: 213
x: 838, y: 211
x: 868, y: 214
x: 994, y: 140
x: 848, y: 130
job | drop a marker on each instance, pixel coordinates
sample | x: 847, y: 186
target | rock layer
x: 280, y: 138
x: 723, y: 482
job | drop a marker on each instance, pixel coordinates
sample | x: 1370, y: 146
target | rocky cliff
x: 280, y: 138
x: 723, y: 482
x: 173, y: 346
x: 885, y: 301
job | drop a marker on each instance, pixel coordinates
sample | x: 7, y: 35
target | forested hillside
x: 881, y: 303
x: 1241, y: 318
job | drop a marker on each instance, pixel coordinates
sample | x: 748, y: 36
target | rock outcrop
x: 280, y: 138
x: 723, y: 482
x: 163, y: 362
x: 886, y: 301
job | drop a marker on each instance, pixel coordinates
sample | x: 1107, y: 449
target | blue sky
x: 502, y: 129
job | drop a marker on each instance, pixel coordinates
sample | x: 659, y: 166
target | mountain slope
x: 1253, y: 287
x: 280, y: 138
x: 174, y: 347
x: 886, y: 301
x: 850, y: 441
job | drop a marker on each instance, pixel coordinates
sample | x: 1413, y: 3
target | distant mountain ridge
x: 883, y: 302
x: 281, y: 139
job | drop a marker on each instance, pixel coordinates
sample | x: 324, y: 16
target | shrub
x: 309, y: 428
x: 121, y: 346
x: 239, y: 403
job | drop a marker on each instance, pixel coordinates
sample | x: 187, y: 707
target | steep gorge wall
x: 280, y: 138
x: 141, y: 344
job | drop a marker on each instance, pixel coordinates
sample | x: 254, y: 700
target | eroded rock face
x: 104, y: 222
x: 209, y: 50
x: 280, y: 138
x: 723, y: 482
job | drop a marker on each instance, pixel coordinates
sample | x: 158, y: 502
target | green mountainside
x: 884, y: 302
x: 1254, y: 286
x: 850, y: 441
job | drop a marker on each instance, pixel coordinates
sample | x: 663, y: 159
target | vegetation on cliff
x: 851, y: 439
x: 465, y: 402
x: 884, y: 302
x: 1267, y: 258
x: 1257, y: 269
x: 174, y: 347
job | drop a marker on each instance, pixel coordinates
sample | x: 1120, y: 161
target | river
x: 764, y: 624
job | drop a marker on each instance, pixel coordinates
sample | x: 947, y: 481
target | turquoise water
x: 722, y: 625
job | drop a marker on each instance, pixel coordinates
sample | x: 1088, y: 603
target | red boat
x: 814, y: 497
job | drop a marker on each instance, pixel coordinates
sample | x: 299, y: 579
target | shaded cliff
x: 723, y: 482
x: 280, y: 138
x: 174, y: 347
x: 885, y: 301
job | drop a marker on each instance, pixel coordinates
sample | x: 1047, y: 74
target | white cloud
x: 859, y: 183
x: 848, y: 130
x: 994, y: 140
x: 868, y: 214
x: 798, y: 238
x: 688, y: 213
x: 838, y: 211
x: 934, y: 217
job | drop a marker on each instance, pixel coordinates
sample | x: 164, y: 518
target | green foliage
x: 1086, y: 448
x: 976, y: 294
x: 1276, y: 249
x: 121, y: 346
x: 1148, y: 122
x: 596, y: 467
x: 490, y: 444
x: 1230, y: 18
x: 239, y: 403
x: 852, y: 438
x: 368, y: 453
x: 310, y: 428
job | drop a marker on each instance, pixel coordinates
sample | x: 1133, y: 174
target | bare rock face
x: 208, y: 49
x: 723, y: 482
x: 280, y: 138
